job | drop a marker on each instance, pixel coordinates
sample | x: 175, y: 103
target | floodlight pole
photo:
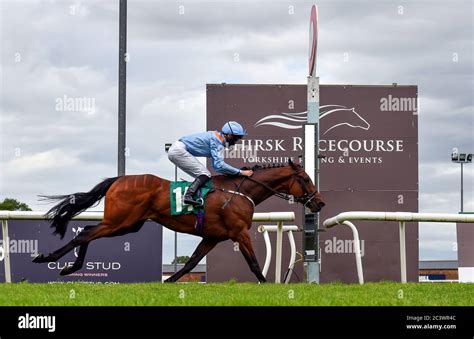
x: 122, y: 88
x: 167, y: 147
x: 461, y: 158
x: 175, y: 233
x: 462, y: 188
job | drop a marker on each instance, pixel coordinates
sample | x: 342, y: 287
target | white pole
x: 265, y: 229
x: 268, y: 256
x: 292, y: 256
x: 398, y: 216
x: 274, y: 216
x: 279, y: 242
x: 6, y: 251
x: 274, y: 228
x: 401, y: 217
x: 98, y: 215
x: 357, y: 251
x: 403, y: 256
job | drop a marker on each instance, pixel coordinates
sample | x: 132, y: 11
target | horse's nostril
x: 321, y: 204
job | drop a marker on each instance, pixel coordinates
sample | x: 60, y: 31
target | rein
x: 304, y: 199
x: 275, y: 192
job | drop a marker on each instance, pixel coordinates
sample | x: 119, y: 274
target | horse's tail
x: 73, y: 204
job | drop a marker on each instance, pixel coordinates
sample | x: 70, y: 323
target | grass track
x: 237, y: 294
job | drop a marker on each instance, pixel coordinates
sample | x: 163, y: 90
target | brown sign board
x: 369, y: 135
x: 465, y: 238
x: 108, y: 261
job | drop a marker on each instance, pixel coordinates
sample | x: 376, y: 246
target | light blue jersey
x: 209, y: 144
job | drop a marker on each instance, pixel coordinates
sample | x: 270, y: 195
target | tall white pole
x: 311, y: 161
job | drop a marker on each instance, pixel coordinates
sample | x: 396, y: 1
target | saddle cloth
x: 178, y: 190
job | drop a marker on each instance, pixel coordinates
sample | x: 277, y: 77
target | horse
x: 133, y: 199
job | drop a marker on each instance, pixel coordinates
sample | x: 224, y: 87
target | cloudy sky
x: 51, y: 50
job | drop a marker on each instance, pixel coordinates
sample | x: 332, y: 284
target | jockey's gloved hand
x: 246, y: 173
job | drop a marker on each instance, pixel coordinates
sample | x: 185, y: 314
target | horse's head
x: 289, y: 182
x: 302, y: 188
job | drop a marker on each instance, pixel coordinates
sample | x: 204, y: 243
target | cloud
x: 438, y: 240
x: 42, y: 161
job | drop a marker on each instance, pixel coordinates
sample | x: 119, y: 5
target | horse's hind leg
x: 78, y: 263
x: 203, y: 248
x: 80, y: 257
x: 59, y: 253
x: 83, y: 248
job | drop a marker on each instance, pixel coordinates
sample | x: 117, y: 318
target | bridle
x: 304, y: 199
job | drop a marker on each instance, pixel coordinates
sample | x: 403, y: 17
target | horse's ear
x: 292, y: 164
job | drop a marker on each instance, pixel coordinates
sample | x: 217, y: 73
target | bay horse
x: 132, y: 199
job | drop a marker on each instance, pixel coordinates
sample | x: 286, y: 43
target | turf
x: 237, y: 294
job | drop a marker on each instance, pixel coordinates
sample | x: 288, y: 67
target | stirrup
x: 195, y: 203
x: 200, y: 201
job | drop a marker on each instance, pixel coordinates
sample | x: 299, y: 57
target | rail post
x: 6, y: 251
x: 403, y: 257
x: 279, y: 242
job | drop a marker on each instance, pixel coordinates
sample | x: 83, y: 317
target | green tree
x: 9, y: 204
x: 181, y: 259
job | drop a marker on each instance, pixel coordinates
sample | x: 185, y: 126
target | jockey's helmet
x: 233, y: 127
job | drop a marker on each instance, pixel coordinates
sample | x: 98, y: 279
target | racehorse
x: 131, y: 200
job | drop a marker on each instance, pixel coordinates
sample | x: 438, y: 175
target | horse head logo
x: 337, y: 115
x: 342, y: 116
x: 77, y: 231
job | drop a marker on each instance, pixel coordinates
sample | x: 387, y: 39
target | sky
x: 52, y: 51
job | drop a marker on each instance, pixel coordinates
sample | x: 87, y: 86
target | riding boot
x: 188, y: 197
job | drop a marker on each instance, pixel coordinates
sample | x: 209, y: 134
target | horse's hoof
x: 39, y: 259
x: 68, y: 270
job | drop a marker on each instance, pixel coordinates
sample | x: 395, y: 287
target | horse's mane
x: 264, y: 167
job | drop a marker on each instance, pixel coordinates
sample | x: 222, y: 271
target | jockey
x: 208, y: 144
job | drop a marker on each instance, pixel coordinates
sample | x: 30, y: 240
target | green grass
x: 237, y: 294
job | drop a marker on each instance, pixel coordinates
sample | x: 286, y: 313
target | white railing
x: 439, y: 281
x: 279, y: 217
x: 279, y: 229
x: 402, y: 217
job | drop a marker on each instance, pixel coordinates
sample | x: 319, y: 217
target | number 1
x: 179, y: 201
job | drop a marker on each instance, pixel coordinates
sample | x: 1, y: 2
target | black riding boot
x: 188, y: 197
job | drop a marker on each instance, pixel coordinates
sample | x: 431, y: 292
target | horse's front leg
x: 202, y: 249
x: 245, y: 246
